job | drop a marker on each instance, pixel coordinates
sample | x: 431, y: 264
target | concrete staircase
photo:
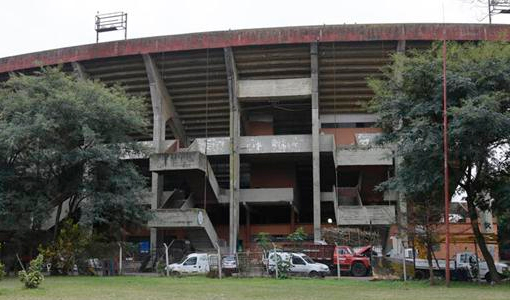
x: 191, y: 168
x: 194, y: 221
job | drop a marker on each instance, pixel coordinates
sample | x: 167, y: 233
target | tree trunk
x: 57, y: 221
x: 480, y: 240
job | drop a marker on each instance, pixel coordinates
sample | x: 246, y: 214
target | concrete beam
x: 364, y: 157
x: 348, y: 118
x: 263, y: 196
x: 270, y: 144
x: 314, y: 66
x: 162, y: 105
x: 234, y: 161
x: 274, y: 88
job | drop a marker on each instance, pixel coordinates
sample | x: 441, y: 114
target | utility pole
x: 446, y: 175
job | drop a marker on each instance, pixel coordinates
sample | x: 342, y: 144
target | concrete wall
x: 272, y: 88
x: 347, y: 136
x: 366, y: 215
x: 256, y: 128
x: 299, y: 143
x: 364, y: 156
x: 273, y: 175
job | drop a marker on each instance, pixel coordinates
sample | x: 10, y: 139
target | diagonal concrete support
x: 315, y: 143
x: 162, y: 104
x: 235, y: 133
x: 163, y: 112
x: 79, y: 70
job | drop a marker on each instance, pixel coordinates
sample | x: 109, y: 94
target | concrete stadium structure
x: 261, y: 129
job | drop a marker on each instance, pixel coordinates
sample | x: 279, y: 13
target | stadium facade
x: 259, y: 130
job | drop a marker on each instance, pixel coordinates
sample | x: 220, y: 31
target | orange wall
x: 461, y: 240
x: 345, y: 136
x: 274, y: 175
x: 254, y: 128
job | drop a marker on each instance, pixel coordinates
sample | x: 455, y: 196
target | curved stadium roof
x: 194, y: 71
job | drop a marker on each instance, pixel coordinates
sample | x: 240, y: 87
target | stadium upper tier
x: 192, y: 66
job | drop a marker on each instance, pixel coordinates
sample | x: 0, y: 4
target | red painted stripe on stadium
x: 264, y: 36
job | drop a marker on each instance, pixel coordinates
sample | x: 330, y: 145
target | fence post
x: 337, y: 261
x: 276, y: 257
x: 219, y: 260
x: 166, y: 260
x: 120, y: 258
x: 404, y: 261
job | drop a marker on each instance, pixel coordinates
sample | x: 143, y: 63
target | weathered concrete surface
x: 316, y: 125
x: 234, y: 159
x: 187, y: 218
x: 366, y: 215
x: 262, y: 36
x: 163, y: 107
x: 161, y: 162
x: 364, y: 157
x: 264, y: 196
x: 274, y: 88
x: 348, y: 118
x: 168, y: 146
x: 391, y: 196
x: 301, y: 143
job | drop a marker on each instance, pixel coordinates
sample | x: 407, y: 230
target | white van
x: 195, y: 263
x: 300, y: 263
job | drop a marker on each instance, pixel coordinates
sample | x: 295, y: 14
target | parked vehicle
x: 300, y: 264
x: 463, y: 266
x: 229, y: 265
x: 356, y: 263
x: 195, y: 263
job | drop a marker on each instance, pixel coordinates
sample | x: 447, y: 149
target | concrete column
x: 235, y: 133
x: 315, y: 143
x: 401, y: 202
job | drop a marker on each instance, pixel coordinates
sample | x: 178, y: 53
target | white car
x: 195, y: 263
x: 300, y: 263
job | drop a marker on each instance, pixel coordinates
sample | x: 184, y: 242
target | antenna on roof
x: 111, y: 22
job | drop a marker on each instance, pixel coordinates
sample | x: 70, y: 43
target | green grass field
x: 131, y: 287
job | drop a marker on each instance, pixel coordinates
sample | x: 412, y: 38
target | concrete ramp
x: 50, y: 221
x: 366, y: 215
x: 194, y: 221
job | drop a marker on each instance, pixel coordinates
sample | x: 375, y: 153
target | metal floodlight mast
x: 498, y: 7
x: 111, y: 22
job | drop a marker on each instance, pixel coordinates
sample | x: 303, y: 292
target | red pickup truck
x: 357, y: 263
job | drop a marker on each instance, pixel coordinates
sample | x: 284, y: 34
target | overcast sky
x: 34, y: 25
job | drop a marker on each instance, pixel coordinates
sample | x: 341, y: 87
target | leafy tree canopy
x: 408, y: 100
x: 61, y: 139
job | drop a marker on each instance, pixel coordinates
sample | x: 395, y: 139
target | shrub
x: 33, y: 277
x: 2, y: 271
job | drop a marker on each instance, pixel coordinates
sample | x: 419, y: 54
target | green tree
x: 408, y: 100
x: 61, y: 139
x: 297, y: 238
